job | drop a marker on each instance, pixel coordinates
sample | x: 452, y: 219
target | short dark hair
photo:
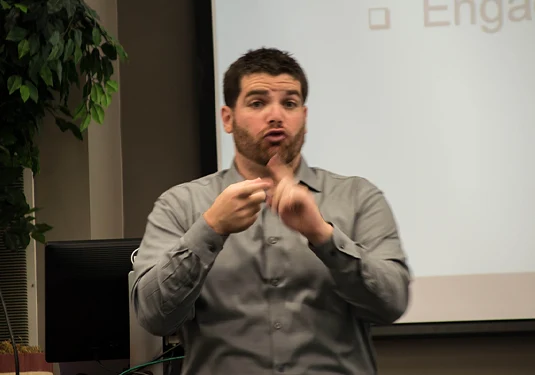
x: 263, y: 60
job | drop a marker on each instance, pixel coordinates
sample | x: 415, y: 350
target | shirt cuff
x: 204, y: 242
x: 335, y: 251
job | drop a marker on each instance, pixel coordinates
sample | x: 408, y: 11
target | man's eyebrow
x: 256, y: 92
x: 293, y: 92
x: 266, y: 92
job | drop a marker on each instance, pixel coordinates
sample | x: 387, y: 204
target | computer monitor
x: 87, y: 302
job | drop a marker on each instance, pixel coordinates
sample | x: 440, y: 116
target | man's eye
x: 290, y: 104
x: 256, y: 104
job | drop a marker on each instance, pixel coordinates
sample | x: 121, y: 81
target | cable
x: 132, y: 257
x: 116, y: 372
x: 147, y: 364
x: 164, y: 353
x: 10, y: 329
x: 154, y: 360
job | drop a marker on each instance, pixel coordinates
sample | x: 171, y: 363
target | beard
x: 261, y: 151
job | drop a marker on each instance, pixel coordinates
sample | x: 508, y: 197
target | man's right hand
x: 237, y: 207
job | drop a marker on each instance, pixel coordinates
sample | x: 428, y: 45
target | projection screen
x: 432, y: 101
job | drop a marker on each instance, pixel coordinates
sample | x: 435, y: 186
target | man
x: 270, y: 266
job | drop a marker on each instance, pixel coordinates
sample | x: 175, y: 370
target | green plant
x: 46, y: 47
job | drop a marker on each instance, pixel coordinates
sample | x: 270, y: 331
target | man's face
x: 269, y: 118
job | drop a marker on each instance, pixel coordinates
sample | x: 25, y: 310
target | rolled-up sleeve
x: 171, y: 265
x: 370, y: 270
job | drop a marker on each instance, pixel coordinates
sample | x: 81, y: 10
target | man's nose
x: 276, y: 114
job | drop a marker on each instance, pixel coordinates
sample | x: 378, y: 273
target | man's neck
x: 250, y: 170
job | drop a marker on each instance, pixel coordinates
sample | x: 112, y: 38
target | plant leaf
x: 97, y: 93
x: 65, y: 110
x: 85, y: 63
x: 14, y: 83
x: 16, y: 34
x: 54, y: 6
x: 24, y: 238
x: 101, y: 95
x: 85, y: 122
x: 39, y: 237
x: 70, y: 7
x: 46, y: 75
x: 54, y: 39
x: 54, y: 53
x: 107, y: 68
x: 35, y: 66
x: 34, y: 94
x: 86, y: 91
x: 97, y: 36
x: 112, y: 86
x: 34, y: 44
x: 77, y: 55
x: 5, y: 5
x: 8, y: 139
x: 22, y: 7
x: 80, y: 111
x: 94, y: 94
x: 106, y: 100
x: 121, y: 52
x: 24, y: 93
x: 66, y: 125
x: 97, y: 113
x: 110, y: 51
x: 59, y: 70
x: 78, y: 37
x: 69, y: 50
x: 24, y: 48
x: 95, y: 66
x: 62, y: 124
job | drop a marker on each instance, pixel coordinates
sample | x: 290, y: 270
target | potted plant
x: 31, y: 359
x: 47, y: 48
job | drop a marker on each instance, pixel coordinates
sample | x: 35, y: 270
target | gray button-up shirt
x: 264, y: 301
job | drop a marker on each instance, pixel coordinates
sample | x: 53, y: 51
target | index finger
x: 253, y: 186
x: 278, y: 169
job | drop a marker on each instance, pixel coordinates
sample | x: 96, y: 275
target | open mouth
x: 275, y: 136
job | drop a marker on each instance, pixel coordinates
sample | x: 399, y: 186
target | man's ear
x: 228, y: 119
x: 305, y: 112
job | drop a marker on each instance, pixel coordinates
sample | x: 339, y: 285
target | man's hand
x: 237, y: 207
x: 295, y: 204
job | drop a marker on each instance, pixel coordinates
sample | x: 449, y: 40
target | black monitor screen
x: 87, y: 304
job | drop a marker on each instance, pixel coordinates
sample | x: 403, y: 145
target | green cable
x: 143, y: 365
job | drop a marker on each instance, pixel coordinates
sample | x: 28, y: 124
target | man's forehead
x: 262, y: 81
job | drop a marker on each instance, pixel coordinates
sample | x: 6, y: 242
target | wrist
x: 212, y: 223
x: 320, y: 235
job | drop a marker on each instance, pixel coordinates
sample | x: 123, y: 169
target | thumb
x: 278, y: 169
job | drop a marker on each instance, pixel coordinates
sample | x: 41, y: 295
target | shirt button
x: 277, y: 325
x: 274, y: 282
x: 280, y: 368
x: 272, y: 240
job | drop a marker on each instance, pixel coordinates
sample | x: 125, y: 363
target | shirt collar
x: 305, y: 175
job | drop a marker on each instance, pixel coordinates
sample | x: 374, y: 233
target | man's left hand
x: 295, y: 205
